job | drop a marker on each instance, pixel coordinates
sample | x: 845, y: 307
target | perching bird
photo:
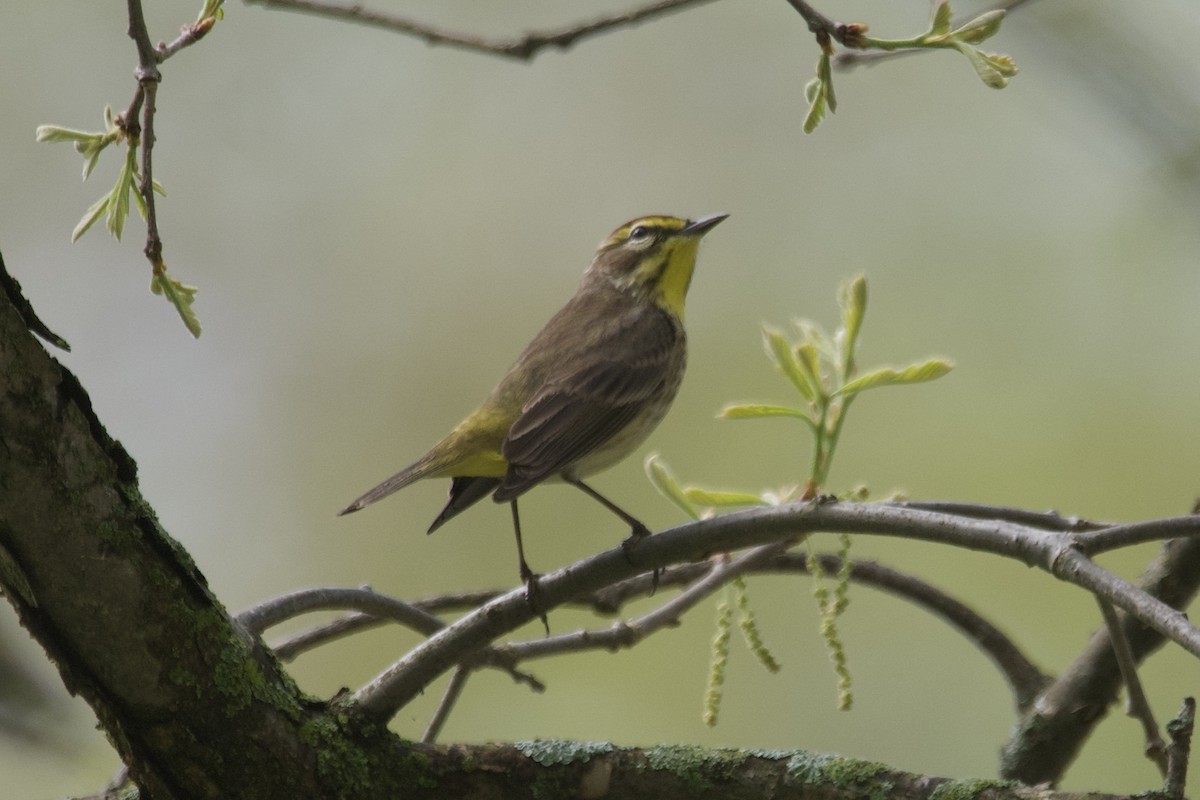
x: 589, y: 388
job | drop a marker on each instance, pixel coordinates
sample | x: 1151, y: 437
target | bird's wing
x: 583, y: 402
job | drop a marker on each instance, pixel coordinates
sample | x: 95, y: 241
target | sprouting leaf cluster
x: 127, y: 129
x: 113, y: 206
x: 992, y: 68
x: 823, y: 369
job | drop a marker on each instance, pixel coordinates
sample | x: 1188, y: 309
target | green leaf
x: 810, y: 332
x: 854, y: 308
x: 53, y: 133
x: 814, y: 91
x: 95, y: 211
x: 825, y: 73
x: 660, y: 475
x: 820, y: 96
x: 915, y: 373
x: 119, y: 205
x: 759, y: 410
x: 980, y: 29
x: 985, y: 69
x: 181, y: 296
x: 90, y: 158
x: 939, y: 21
x: 212, y: 8
x: 89, y: 144
x: 716, y: 498
x: 780, y: 350
x: 1001, y: 63
x: 810, y: 364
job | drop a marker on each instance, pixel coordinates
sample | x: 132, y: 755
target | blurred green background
x: 377, y: 227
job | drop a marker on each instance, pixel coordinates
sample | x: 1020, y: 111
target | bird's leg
x: 638, y: 530
x: 527, y: 575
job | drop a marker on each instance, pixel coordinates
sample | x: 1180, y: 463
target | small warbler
x: 586, y: 391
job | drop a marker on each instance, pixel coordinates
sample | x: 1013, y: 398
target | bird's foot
x: 636, y: 535
x: 533, y: 596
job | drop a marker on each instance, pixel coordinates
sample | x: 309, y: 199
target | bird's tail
x: 424, y: 468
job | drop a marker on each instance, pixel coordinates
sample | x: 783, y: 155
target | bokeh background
x: 377, y: 227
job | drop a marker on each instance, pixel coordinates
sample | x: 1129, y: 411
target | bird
x: 586, y: 391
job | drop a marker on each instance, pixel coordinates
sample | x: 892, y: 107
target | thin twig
x: 154, y: 246
x: 140, y: 35
x: 303, y: 601
x: 458, y: 681
x: 271, y: 612
x: 188, y: 37
x: 1154, y: 530
x: 817, y: 22
x: 847, y: 34
x: 848, y: 59
x: 148, y: 78
x: 292, y: 647
x: 626, y: 634
x: 1137, y: 705
x: 522, y: 48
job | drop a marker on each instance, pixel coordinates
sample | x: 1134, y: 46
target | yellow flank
x: 476, y: 465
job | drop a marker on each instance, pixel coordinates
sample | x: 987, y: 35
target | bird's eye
x: 639, y: 233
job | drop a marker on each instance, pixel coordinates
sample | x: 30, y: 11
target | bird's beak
x: 702, y: 225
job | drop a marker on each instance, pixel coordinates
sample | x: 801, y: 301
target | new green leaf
x: 181, y: 296
x: 820, y: 96
x: 667, y: 485
x: 915, y: 373
x: 780, y: 350
x: 760, y: 410
x: 939, y: 22
x: 715, y: 498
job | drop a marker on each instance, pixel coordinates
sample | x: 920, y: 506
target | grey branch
x: 1051, y: 551
x: 522, y: 48
x: 1137, y: 705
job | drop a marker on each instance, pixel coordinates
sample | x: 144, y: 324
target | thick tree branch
x: 118, y: 606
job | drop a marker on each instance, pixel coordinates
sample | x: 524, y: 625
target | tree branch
x: 1180, y: 731
x: 1051, y: 551
x: 1136, y: 705
x: 522, y: 48
x: 1050, y: 734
